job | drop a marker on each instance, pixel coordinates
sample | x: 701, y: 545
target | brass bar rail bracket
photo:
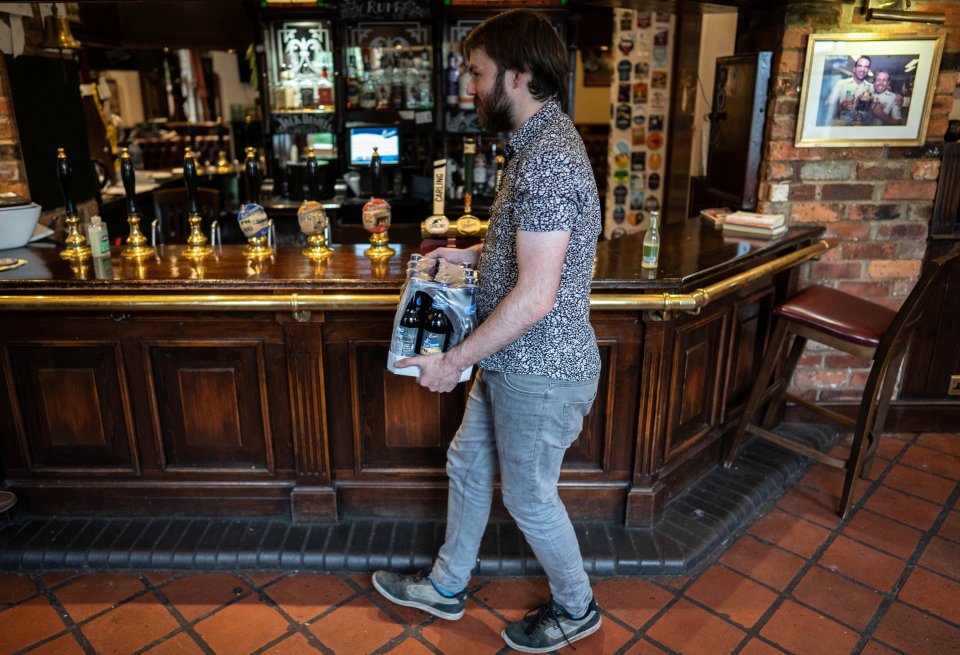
x: 299, y: 304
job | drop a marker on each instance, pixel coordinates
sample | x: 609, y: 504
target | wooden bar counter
x: 238, y: 388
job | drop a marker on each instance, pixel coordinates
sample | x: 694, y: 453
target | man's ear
x: 520, y: 79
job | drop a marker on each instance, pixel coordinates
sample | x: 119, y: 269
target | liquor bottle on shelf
x: 368, y: 91
x: 324, y: 91
x: 452, y: 78
x: 352, y: 84
x: 480, y: 174
x: 376, y: 215
x: 397, y: 79
x: 411, y: 82
x: 425, y: 81
x: 651, y: 243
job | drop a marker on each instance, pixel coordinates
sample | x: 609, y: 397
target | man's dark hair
x: 870, y: 61
x: 524, y: 40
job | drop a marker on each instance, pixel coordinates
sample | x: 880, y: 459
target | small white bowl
x: 17, y: 224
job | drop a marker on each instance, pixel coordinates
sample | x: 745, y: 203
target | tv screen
x: 364, y: 139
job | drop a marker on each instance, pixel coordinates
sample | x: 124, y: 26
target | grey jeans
x: 526, y: 422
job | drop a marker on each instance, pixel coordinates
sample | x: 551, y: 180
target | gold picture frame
x: 867, y: 89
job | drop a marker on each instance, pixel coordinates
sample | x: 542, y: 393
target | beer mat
x: 9, y: 264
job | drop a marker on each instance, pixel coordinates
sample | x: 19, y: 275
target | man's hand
x: 847, y: 104
x: 437, y: 372
x: 878, y: 110
x: 457, y: 255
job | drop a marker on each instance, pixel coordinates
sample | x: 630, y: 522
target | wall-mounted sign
x: 385, y: 9
x: 302, y: 123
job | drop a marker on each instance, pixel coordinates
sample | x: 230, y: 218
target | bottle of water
x: 651, y: 243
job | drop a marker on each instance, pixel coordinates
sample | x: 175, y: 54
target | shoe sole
x: 549, y: 649
x: 420, y: 606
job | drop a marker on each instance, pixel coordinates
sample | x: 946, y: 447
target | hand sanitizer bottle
x: 98, y: 237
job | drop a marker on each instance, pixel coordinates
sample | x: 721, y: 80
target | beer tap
x: 252, y: 217
x: 468, y: 224
x: 224, y: 165
x: 77, y: 248
x: 197, y: 245
x: 437, y: 224
x: 311, y: 215
x: 135, y: 247
x: 376, y: 216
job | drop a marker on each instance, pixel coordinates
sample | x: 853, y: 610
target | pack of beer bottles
x: 437, y: 311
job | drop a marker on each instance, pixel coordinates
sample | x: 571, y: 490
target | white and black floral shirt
x: 548, y: 185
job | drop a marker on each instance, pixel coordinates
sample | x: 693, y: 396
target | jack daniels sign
x: 385, y: 9
x: 302, y: 123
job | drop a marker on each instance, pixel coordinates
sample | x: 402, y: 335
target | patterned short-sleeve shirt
x: 548, y: 185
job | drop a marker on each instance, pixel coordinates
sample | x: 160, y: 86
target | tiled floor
x: 799, y: 580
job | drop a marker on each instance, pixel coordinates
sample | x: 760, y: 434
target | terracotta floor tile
x: 633, y: 601
x: 672, y: 581
x: 839, y: 598
x: 825, y: 478
x: 357, y: 627
x: 914, y: 632
x: 932, y: 461
x: 130, y: 627
x: 901, y: 507
x: 951, y: 527
x: 801, y: 630
x: 934, y: 593
x: 919, y: 483
x: 761, y: 562
x: 200, y: 594
x: 305, y: 595
x: 157, y: 578
x: 410, y: 646
x: 90, y: 594
x: 295, y: 644
x: 28, y: 623
x: 787, y: 531
x: 261, y: 624
x: 690, y: 630
x: 263, y: 578
x: 944, y: 442
x: 65, y: 645
x: 179, y: 644
x: 812, y: 505
x: 14, y: 588
x: 943, y: 557
x: 644, y: 647
x: 53, y: 578
x: 477, y: 633
x: 732, y: 595
x: 758, y: 647
x: 512, y: 597
x: 883, y: 533
x: 876, y: 648
x: 363, y: 580
x: 889, y: 447
x: 609, y: 639
x: 862, y: 563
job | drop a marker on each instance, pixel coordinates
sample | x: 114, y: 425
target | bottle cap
x: 95, y: 220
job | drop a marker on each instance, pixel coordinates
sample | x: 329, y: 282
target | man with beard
x: 536, y: 351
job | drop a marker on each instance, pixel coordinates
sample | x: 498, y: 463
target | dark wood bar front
x: 232, y: 387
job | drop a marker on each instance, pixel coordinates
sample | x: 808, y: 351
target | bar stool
x: 7, y: 501
x: 855, y: 326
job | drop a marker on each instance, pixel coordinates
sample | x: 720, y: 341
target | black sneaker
x: 549, y: 627
x: 418, y: 591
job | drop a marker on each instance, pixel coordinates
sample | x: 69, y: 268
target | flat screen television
x: 386, y: 139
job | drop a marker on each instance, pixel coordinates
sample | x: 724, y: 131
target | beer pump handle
x: 252, y: 169
x: 65, y: 177
x: 220, y: 133
x: 129, y: 177
x: 190, y: 180
x: 375, y: 172
x: 313, y: 176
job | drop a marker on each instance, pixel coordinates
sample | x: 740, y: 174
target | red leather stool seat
x: 839, y: 314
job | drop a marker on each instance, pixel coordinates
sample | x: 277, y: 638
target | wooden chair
x: 170, y: 206
x: 852, y: 325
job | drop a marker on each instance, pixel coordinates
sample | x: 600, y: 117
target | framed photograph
x: 867, y: 89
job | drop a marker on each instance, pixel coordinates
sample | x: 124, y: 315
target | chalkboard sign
x: 302, y: 123
x: 46, y: 100
x: 385, y: 9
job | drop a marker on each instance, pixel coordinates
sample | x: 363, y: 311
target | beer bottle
x: 437, y: 328
x: 408, y: 333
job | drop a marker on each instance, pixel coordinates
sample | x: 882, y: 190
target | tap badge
x: 253, y: 221
x: 312, y: 218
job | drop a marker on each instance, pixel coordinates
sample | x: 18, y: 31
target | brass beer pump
x: 77, y: 249
x: 252, y: 217
x: 311, y: 215
x: 197, y: 245
x: 135, y: 247
x: 377, y: 215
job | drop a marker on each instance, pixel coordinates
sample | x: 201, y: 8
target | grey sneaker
x: 549, y: 627
x: 418, y: 591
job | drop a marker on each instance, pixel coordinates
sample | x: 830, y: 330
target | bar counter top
x: 692, y: 253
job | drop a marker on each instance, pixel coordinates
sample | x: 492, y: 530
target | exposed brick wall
x: 877, y: 201
x: 13, y: 177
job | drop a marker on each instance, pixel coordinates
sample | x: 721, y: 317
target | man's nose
x: 472, y: 87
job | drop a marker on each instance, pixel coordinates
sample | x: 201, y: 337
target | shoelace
x: 544, y: 613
